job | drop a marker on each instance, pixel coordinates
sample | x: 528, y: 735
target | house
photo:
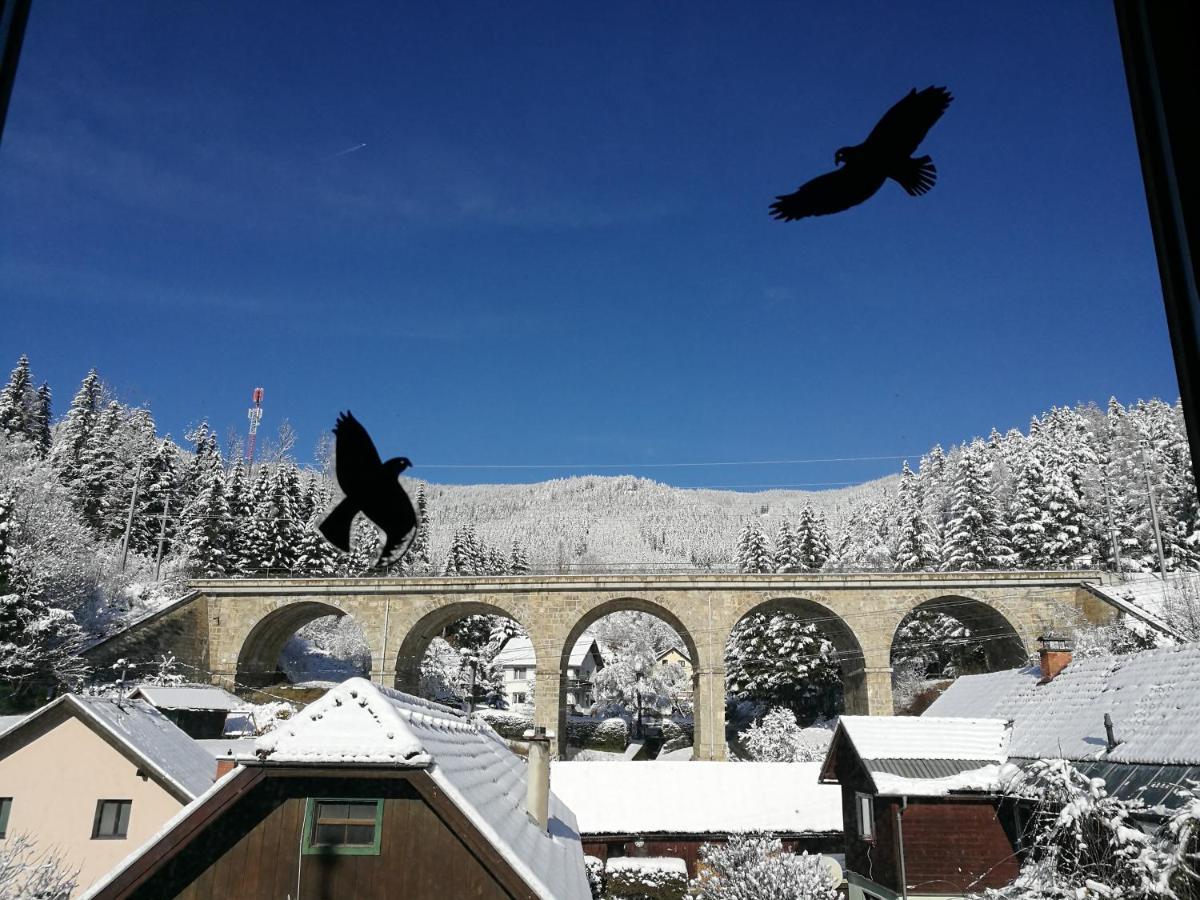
x: 926, y: 795
x: 678, y: 656
x: 369, y: 793
x: 96, y: 777
x: 517, y: 661
x: 920, y: 798
x: 199, y: 709
x: 669, y: 809
x: 1059, y: 708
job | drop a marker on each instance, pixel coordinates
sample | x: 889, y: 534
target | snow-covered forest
x: 1074, y: 490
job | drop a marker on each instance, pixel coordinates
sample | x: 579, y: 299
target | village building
x: 670, y: 809
x: 924, y: 798
x: 518, y: 662
x: 94, y: 778
x: 199, y: 709
x: 678, y: 656
x: 369, y: 793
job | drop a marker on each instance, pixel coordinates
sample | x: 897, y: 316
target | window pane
x: 329, y: 835
x: 362, y: 812
x: 123, y: 817
x: 331, y: 811
x: 5, y: 809
x: 108, y: 818
x: 360, y: 834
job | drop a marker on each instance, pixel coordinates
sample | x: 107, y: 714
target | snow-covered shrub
x: 756, y: 867
x: 676, y: 736
x: 593, y: 867
x: 255, y: 719
x: 27, y: 874
x: 1085, y: 844
x: 506, y: 723
x: 646, y: 878
x: 597, y: 734
x: 778, y: 737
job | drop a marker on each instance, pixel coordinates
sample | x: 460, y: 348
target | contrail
x: 347, y: 150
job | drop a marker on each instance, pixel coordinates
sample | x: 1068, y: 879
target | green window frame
x: 324, y: 816
x: 5, y: 811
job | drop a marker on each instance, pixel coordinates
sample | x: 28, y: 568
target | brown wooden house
x: 922, y: 806
x: 368, y: 793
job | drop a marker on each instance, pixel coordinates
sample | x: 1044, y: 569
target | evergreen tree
x: 42, y: 417
x: 237, y: 498
x: 812, y: 540
x: 275, y: 529
x: 916, y: 550
x: 753, y: 553
x: 18, y: 404
x: 152, y: 512
x: 518, y: 560
x: 976, y: 538
x: 1032, y: 521
x: 460, y: 559
x: 780, y: 659
x: 76, y: 429
x: 418, y: 551
x: 315, y: 556
x: 205, y: 528
x: 787, y: 551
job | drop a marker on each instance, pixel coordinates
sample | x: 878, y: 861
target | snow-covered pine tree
x: 274, y: 529
x: 518, y: 560
x: 155, y: 494
x: 1031, y: 518
x: 418, y: 552
x: 42, y: 419
x: 787, y: 550
x: 813, y: 547
x: 753, y: 553
x: 315, y: 557
x: 779, y: 658
x: 976, y: 538
x: 18, y: 404
x: 916, y: 549
x: 75, y: 430
x: 206, y: 528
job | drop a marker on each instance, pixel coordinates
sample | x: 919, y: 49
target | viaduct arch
x: 234, y: 629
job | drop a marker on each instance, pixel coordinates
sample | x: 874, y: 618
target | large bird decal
x: 886, y: 153
x: 371, y: 487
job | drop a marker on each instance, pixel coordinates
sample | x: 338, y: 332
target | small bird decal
x: 372, y: 488
x: 886, y: 153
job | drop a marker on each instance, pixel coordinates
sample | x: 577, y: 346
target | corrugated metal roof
x: 926, y: 768
x: 187, y: 696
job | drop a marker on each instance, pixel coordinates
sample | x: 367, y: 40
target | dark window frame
x: 123, y: 805
x: 5, y: 812
x: 311, y: 848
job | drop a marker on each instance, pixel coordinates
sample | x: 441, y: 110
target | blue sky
x: 554, y: 247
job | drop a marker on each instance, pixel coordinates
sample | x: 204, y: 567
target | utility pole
x: 1162, y: 563
x: 162, y: 537
x: 1112, y: 531
x: 137, y: 480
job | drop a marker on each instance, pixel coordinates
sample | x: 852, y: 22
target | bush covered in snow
x: 756, y: 867
x: 778, y: 737
x: 646, y: 878
x: 603, y: 734
x: 1087, y: 845
x: 593, y: 867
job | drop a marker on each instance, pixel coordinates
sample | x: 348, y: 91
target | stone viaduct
x: 235, y: 629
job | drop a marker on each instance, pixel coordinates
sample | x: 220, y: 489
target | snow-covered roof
x: 927, y: 737
x: 229, y: 747
x: 1146, y: 598
x: 361, y: 723
x: 924, y: 757
x: 187, y: 696
x: 518, y: 651
x: 147, y: 735
x: 7, y: 722
x: 697, y: 797
x: 1152, y: 696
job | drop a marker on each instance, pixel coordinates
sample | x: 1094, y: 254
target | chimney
x: 537, y: 797
x: 1110, y: 738
x: 1055, y: 654
x: 225, y: 765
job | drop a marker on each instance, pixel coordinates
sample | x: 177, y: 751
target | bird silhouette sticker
x: 372, y: 487
x: 886, y: 153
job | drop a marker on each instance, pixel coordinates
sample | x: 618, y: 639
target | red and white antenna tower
x: 255, y: 416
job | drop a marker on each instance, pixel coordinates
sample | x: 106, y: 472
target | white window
x: 519, y: 697
x: 866, y: 816
x: 518, y: 673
